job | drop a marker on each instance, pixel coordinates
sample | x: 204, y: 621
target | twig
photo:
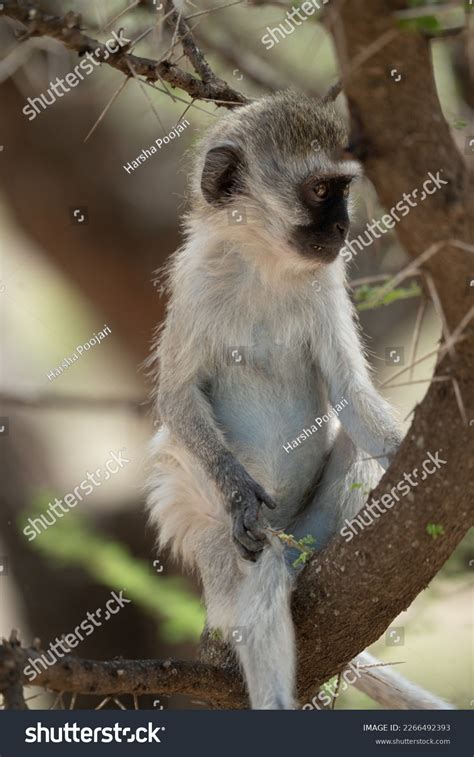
x: 106, y: 109
x: 336, y: 691
x: 74, y: 402
x: 147, y: 96
x: 439, y: 309
x: 457, y: 333
x: 213, y: 10
x: 103, y: 703
x: 177, y: 98
x: 174, y: 38
x: 191, y: 49
x: 416, y: 334
x: 459, y: 400
x: 420, y: 381
x: 120, y: 14
x: 184, y: 113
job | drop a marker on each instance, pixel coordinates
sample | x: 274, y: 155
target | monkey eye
x: 321, y: 190
x: 345, y: 191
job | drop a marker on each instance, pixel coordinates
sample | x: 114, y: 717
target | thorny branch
x: 216, y: 685
x: 67, y: 29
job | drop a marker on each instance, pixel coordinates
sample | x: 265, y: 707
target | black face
x: 325, y: 197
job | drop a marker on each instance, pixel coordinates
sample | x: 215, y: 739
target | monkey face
x: 308, y: 217
x: 272, y: 176
x: 324, y: 198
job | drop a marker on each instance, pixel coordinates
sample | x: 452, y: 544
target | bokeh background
x: 61, y: 281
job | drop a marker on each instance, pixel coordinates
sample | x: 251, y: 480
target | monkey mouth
x: 315, y: 246
x: 325, y: 253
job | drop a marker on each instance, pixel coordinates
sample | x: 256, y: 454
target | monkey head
x: 270, y: 176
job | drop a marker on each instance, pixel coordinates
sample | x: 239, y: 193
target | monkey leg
x: 248, y: 602
x: 342, y: 491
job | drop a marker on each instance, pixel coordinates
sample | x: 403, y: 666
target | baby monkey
x: 252, y: 353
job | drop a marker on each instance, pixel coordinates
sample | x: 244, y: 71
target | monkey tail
x: 263, y: 614
x: 391, y: 690
x: 181, y: 501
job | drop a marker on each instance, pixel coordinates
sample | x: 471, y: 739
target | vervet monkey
x: 251, y: 353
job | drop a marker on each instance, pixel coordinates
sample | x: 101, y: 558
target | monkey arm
x: 185, y: 409
x: 368, y: 419
x: 188, y: 415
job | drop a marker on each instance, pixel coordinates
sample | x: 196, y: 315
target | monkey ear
x: 221, y: 176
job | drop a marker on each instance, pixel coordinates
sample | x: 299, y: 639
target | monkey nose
x: 341, y: 228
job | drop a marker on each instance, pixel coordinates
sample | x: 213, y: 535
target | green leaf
x: 308, y: 541
x: 420, y: 24
x: 301, y: 559
x: 434, y: 530
x: 371, y: 298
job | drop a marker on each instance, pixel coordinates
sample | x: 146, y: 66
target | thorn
x: 125, y: 48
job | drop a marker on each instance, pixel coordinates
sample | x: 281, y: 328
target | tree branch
x: 11, y: 677
x: 217, y: 686
x: 66, y: 29
x: 188, y: 43
x: 70, y: 402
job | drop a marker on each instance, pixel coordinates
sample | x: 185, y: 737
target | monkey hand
x: 247, y: 522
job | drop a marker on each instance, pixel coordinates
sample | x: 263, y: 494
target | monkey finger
x: 256, y: 533
x: 249, y: 547
x: 254, y: 527
x: 243, y: 552
x: 251, y: 542
x: 265, y: 498
x: 241, y: 536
